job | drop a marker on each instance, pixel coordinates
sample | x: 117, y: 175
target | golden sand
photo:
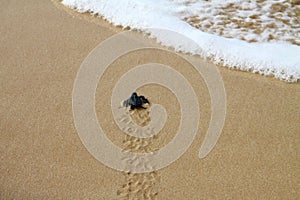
x: 42, y: 48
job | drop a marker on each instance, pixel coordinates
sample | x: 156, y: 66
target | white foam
x: 279, y: 59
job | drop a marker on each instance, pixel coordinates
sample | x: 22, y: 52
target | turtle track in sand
x: 143, y: 185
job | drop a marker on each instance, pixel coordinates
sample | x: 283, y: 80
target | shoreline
x: 277, y: 58
x: 43, y: 156
x: 98, y: 20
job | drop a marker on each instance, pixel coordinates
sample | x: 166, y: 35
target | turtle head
x: 134, y: 95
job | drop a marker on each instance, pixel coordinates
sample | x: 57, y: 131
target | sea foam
x: 279, y: 59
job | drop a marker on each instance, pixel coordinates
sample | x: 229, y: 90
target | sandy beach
x: 42, y: 156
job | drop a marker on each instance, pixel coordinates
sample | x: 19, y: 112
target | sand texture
x: 42, y: 156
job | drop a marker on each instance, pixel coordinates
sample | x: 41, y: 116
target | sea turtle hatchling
x: 135, y: 101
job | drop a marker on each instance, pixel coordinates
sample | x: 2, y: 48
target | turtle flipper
x: 126, y: 103
x: 132, y: 107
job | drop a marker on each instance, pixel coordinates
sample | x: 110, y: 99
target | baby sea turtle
x: 135, y: 101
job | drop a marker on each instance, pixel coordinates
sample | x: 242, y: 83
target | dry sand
x: 42, y: 157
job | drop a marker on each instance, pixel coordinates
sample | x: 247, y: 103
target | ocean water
x: 256, y: 36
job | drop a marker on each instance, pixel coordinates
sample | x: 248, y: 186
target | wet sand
x: 42, y: 157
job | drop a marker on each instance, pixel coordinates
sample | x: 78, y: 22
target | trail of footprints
x: 139, y: 186
x: 142, y: 185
